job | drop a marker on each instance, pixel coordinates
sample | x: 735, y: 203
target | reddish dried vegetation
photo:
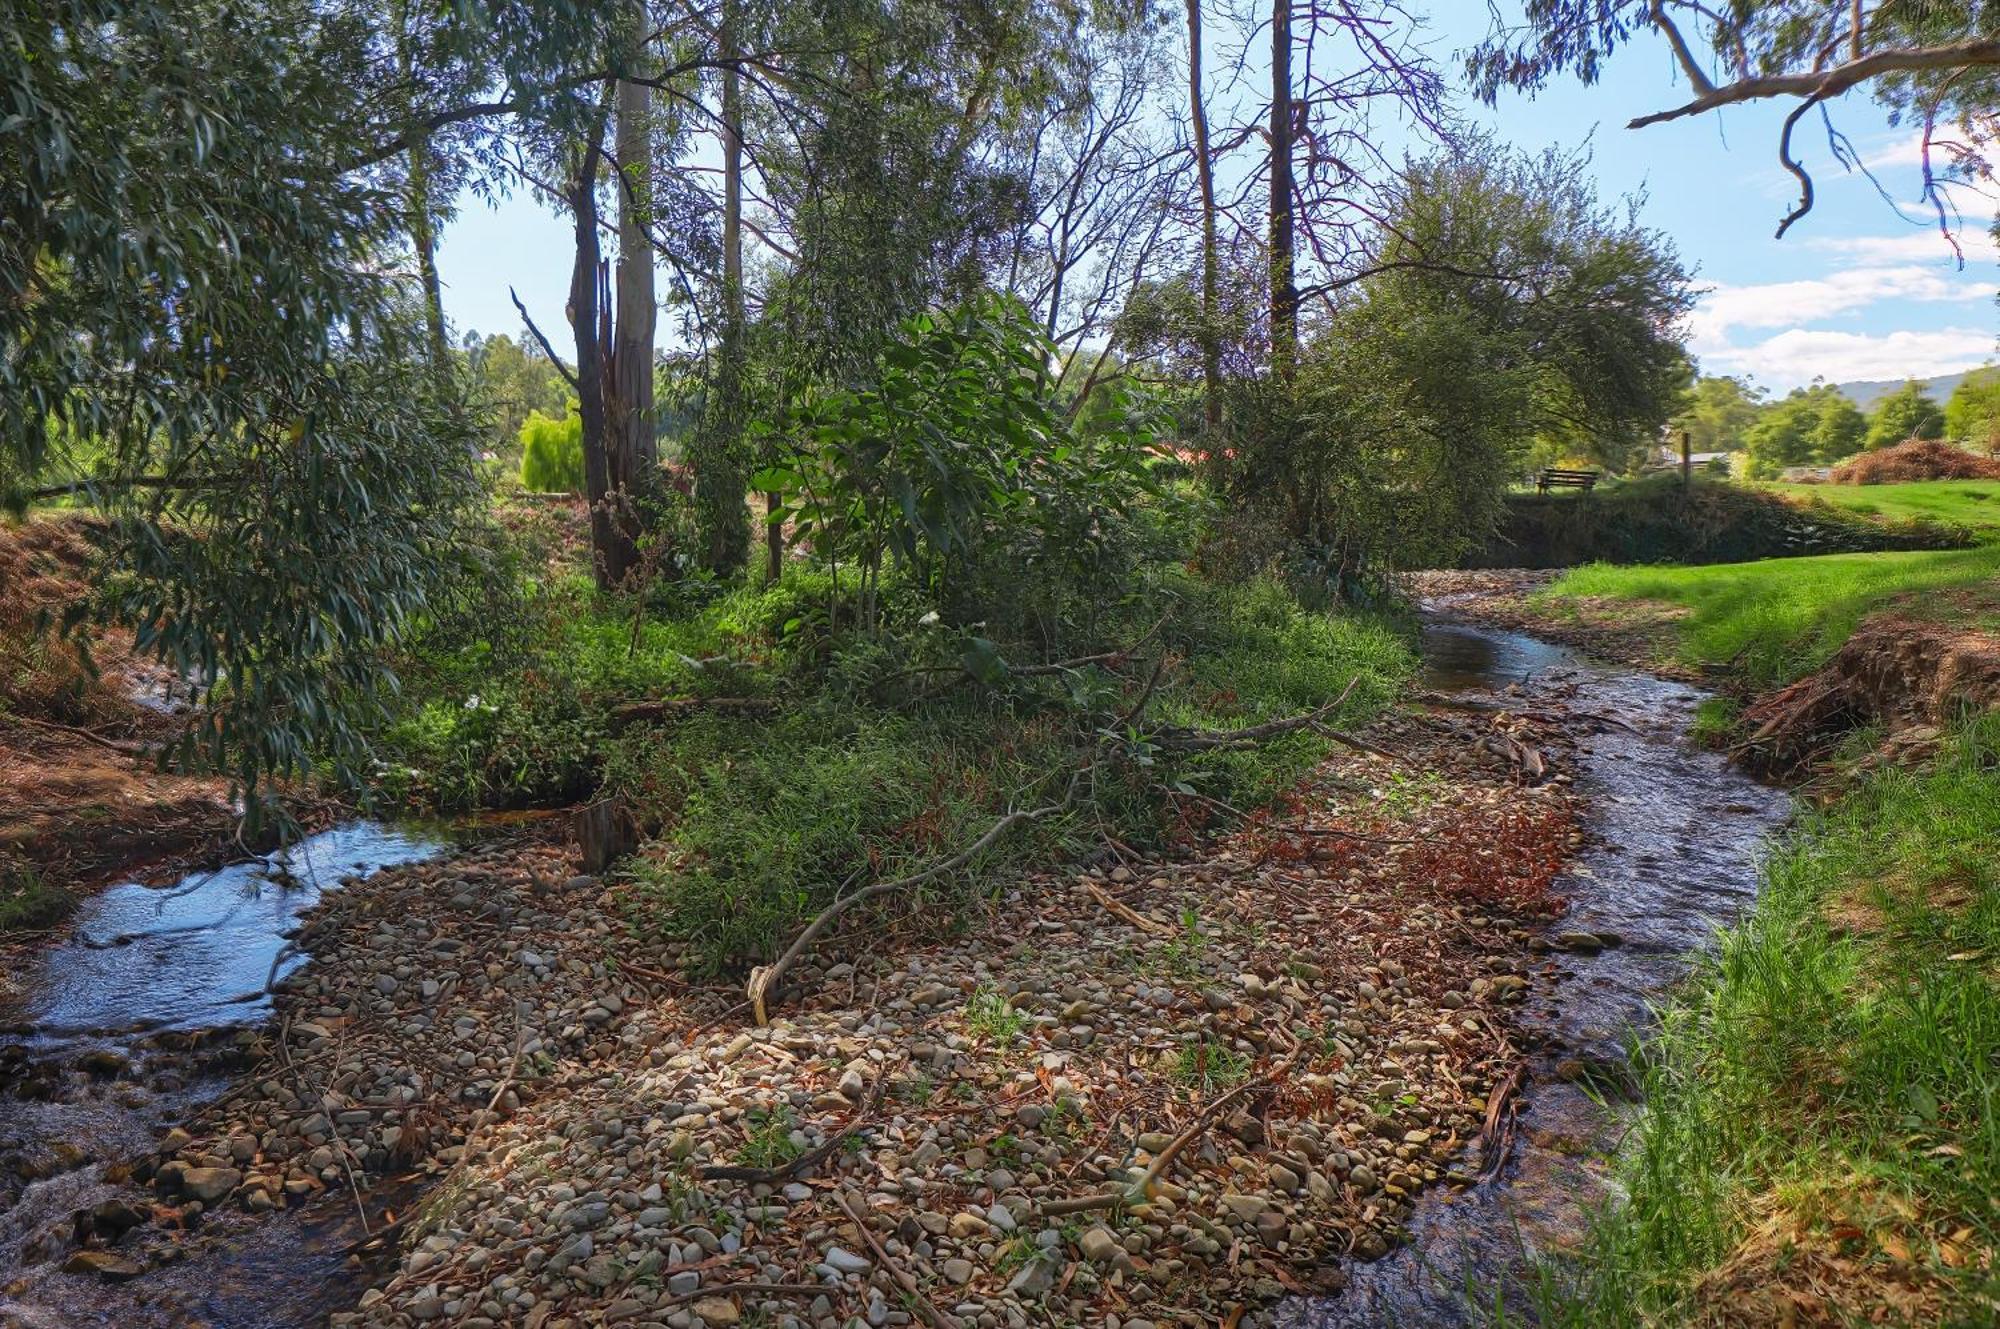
x: 1922, y: 459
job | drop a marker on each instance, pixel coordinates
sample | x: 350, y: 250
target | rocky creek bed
x: 485, y: 1102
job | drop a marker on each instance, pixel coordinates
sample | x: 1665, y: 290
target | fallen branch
x: 1494, y: 1138
x: 1140, y: 1191
x: 936, y: 1318
x: 764, y: 978
x: 88, y: 736
x: 1202, y: 740
x: 1126, y: 912
x: 679, y: 708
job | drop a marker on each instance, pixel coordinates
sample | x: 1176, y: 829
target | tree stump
x: 605, y: 832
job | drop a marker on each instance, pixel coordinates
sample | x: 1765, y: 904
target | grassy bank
x: 1820, y: 1142
x: 1974, y: 504
x: 1772, y: 621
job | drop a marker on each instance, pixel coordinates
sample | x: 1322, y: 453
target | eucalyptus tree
x: 1933, y: 65
x: 206, y: 332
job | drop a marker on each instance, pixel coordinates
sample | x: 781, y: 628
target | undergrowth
x: 1820, y: 1127
x: 838, y: 758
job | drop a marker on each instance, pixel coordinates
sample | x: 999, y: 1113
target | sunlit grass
x: 1973, y: 503
x: 1772, y: 621
x: 1821, y: 1103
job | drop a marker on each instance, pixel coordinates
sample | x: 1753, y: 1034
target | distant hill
x: 1866, y: 393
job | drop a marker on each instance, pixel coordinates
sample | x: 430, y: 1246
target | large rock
x: 105, y: 1265
x: 209, y: 1184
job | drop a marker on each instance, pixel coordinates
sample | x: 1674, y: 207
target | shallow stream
x: 1676, y: 835
x: 100, y: 1055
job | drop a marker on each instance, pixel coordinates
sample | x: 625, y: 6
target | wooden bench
x: 1555, y: 478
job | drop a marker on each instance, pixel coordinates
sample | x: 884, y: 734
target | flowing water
x: 1676, y: 839
x: 126, y: 1027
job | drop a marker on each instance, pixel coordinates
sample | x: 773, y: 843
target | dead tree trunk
x: 1283, y: 277
x: 612, y: 550
x: 634, y: 451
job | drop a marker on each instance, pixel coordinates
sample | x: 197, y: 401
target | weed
x: 1404, y: 796
x: 1714, y: 722
x: 990, y: 1015
x: 1209, y: 1066
x: 28, y: 901
x: 769, y: 1143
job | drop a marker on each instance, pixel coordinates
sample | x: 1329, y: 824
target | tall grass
x: 1820, y: 1107
x: 1772, y: 621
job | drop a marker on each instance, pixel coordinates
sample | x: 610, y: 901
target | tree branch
x: 1832, y: 82
x: 547, y: 349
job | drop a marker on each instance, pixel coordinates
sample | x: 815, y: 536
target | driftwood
x: 1140, y: 1191
x: 936, y: 1318
x: 1125, y: 911
x: 1524, y: 757
x: 605, y: 832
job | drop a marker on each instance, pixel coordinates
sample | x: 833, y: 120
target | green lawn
x: 1773, y: 620
x: 1974, y: 503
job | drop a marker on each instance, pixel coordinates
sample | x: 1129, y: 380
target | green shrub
x: 552, y: 454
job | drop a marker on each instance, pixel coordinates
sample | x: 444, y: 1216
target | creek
x: 133, y: 1022
x: 1676, y: 836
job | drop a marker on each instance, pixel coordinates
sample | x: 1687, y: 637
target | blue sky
x: 1857, y: 290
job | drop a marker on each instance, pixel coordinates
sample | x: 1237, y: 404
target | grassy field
x: 1774, y: 620
x: 1821, y: 1137
x: 1973, y: 503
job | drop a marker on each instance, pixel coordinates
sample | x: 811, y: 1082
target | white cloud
x: 1800, y: 355
x: 1913, y: 246
x: 1789, y: 304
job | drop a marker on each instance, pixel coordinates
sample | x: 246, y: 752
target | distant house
x: 1669, y: 455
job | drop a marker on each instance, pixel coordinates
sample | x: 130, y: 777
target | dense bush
x: 1656, y: 521
x: 1919, y: 459
x: 552, y: 454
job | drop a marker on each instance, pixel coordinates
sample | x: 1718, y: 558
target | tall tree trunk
x: 1284, y: 281
x: 423, y: 234
x: 423, y: 227
x: 1211, y: 261
x: 635, y: 452
x: 612, y: 552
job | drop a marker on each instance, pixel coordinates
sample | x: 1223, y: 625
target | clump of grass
x: 1715, y: 722
x: 1822, y: 1097
x: 28, y: 901
x: 991, y: 1016
x: 1208, y: 1066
